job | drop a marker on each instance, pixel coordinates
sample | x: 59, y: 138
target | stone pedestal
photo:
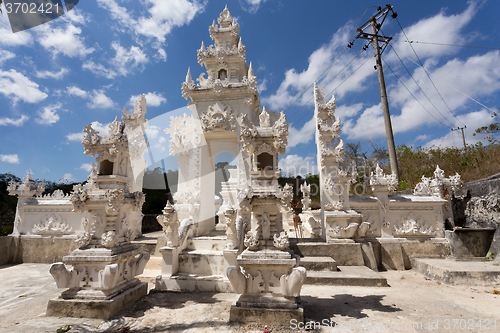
x: 268, y: 282
x: 101, y: 309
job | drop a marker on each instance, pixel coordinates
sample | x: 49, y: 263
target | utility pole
x: 375, y: 38
x: 463, y: 136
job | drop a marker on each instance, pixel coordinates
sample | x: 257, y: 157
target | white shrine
x: 100, y: 276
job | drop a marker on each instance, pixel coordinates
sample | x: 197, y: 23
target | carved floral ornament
x: 412, y: 225
x: 218, y: 117
x: 53, y: 224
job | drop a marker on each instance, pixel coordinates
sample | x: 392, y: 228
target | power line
x: 352, y: 33
x: 325, y: 84
x: 305, y: 114
x: 444, y: 44
x: 412, y: 94
x: 392, y: 47
x: 315, y: 81
x: 420, y: 61
x: 484, y: 106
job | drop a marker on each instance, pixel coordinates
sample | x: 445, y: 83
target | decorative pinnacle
x: 188, y: 75
x: 250, y: 71
x: 202, y: 46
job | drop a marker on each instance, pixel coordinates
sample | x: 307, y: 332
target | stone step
x: 201, y: 262
x: 192, y: 282
x: 360, y: 276
x: 209, y: 243
x: 318, y: 264
x: 344, y: 254
x: 151, y: 270
x: 459, y: 272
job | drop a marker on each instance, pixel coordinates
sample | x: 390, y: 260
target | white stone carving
x: 411, y: 225
x: 53, y: 224
x: 219, y: 117
x: 251, y: 240
x: 336, y: 231
x: 170, y: 223
x: 380, y: 179
x: 28, y: 188
x: 232, y: 236
x: 280, y: 240
x: 437, y: 185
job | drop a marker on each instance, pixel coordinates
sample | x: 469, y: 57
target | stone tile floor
x: 411, y: 303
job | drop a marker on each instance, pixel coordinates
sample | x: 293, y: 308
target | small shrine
x: 100, y: 275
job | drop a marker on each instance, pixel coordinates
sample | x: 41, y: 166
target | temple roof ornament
x: 27, y: 188
x: 227, y: 71
x: 380, y: 179
x: 436, y: 185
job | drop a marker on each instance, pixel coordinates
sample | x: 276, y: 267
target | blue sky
x: 88, y: 64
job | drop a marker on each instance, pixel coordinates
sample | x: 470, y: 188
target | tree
x: 492, y: 128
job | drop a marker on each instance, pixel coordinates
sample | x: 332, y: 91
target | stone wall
x: 477, y: 204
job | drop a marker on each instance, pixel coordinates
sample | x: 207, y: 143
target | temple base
x: 276, y: 310
x: 101, y: 309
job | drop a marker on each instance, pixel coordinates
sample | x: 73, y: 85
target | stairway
x: 201, y: 265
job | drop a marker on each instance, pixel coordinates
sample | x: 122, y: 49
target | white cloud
x: 295, y: 83
x: 126, y: 60
x: 18, y: 87
x: 52, y: 75
x: 86, y: 166
x: 14, y: 122
x: 262, y: 86
x: 152, y: 132
x: 48, y: 115
x: 296, y: 165
x: 99, y: 69
x: 100, y: 100
x: 251, y: 6
x: 64, y: 40
x: 75, y: 136
x: 369, y: 125
x: 8, y: 38
x: 75, y: 91
x: 161, y: 16
x: 348, y: 111
x: 102, y: 129
x: 436, y: 29
x: 5, y: 55
x: 12, y: 159
x: 67, y: 178
x: 161, y: 143
x: 152, y: 99
x: 304, y: 135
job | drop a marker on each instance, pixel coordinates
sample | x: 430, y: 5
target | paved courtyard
x: 411, y: 303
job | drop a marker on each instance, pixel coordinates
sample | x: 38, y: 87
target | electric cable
x: 430, y: 79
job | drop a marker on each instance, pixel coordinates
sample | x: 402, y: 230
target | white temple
x: 249, y: 251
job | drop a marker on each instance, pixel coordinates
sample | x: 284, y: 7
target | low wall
x: 35, y: 249
x: 7, y: 250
